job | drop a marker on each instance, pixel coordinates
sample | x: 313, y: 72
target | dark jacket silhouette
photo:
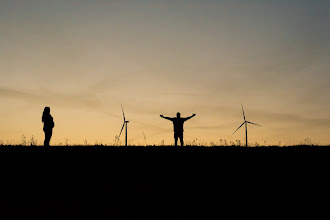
x: 178, y: 126
x: 47, y: 119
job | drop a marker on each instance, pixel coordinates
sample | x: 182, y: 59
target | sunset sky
x: 84, y: 59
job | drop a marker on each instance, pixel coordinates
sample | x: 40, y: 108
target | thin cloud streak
x: 182, y: 94
x: 288, y: 119
x: 47, y: 97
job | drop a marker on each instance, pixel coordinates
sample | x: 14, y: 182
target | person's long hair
x: 45, y: 113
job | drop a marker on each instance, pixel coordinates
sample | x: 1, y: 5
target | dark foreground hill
x: 167, y: 149
x: 164, y: 182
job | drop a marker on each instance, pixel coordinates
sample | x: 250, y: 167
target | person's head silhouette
x: 47, y: 110
x: 178, y: 115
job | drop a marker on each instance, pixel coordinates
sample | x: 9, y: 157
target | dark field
x: 164, y: 182
x: 167, y: 149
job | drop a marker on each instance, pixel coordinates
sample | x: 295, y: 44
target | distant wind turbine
x: 125, y: 123
x: 145, y: 138
x: 245, y: 122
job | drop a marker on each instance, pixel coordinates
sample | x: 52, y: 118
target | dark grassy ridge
x: 170, y: 149
x: 160, y: 182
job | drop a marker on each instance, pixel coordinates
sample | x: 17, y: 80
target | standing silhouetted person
x: 178, y: 126
x: 47, y: 119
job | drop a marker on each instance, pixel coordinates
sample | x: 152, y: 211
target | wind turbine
x: 245, y: 122
x: 125, y: 123
x: 145, y: 138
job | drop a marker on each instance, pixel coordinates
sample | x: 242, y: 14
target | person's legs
x: 46, y: 141
x: 48, y: 136
x: 175, y: 139
x: 181, y: 140
x: 45, y: 137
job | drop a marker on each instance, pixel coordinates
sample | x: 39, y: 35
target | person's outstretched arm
x: 193, y: 115
x: 168, y: 118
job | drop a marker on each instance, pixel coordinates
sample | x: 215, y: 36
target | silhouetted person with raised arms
x: 47, y: 119
x: 178, y: 126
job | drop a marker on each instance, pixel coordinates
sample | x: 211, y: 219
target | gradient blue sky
x: 86, y: 58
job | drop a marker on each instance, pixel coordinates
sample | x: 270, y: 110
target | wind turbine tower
x: 124, y: 125
x: 245, y: 122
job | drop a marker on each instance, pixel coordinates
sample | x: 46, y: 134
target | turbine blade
x: 123, y: 112
x: 252, y: 123
x: 239, y: 127
x: 243, y: 112
x: 121, y: 130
